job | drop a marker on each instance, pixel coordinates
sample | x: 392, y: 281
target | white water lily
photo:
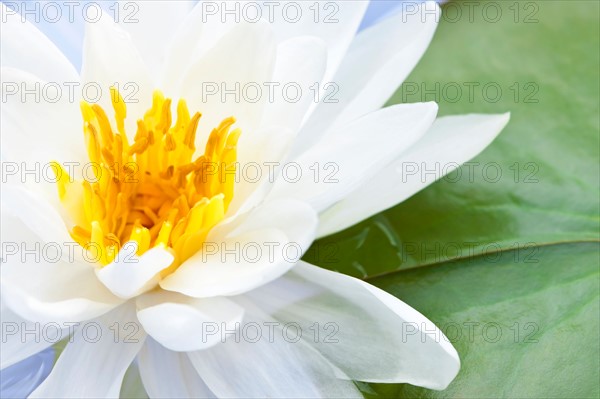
x: 175, y: 288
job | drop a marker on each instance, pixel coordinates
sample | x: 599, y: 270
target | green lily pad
x: 523, y: 329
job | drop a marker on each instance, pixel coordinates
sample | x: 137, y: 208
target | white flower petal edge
x: 74, y: 292
x: 212, y: 273
x: 278, y: 368
x: 377, y: 62
x: 34, y: 213
x: 451, y: 141
x: 167, y: 374
x: 147, y: 22
x: 378, y: 338
x: 130, y: 275
x: 244, y: 55
x: 23, y: 46
x: 48, y: 135
x: 93, y: 366
x: 357, y: 151
x: 302, y: 60
x: 337, y: 35
x: 265, y: 146
x: 13, y: 347
x: 178, y: 322
x: 109, y: 58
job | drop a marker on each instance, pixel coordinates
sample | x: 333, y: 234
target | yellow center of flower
x: 151, y: 192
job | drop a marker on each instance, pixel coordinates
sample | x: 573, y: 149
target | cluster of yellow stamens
x: 151, y: 192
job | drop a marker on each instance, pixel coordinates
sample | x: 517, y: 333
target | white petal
x: 60, y: 292
x: 249, y: 252
x: 301, y: 61
x: 197, y: 34
x: 295, y: 218
x: 179, y: 54
x: 262, y: 363
x: 25, y: 47
x: 41, y: 126
x: 151, y: 25
x: 35, y: 213
x: 369, y: 334
x: 22, y: 338
x: 129, y: 274
x: 451, y: 141
x: 94, y: 363
x: 110, y: 58
x: 42, y: 281
x: 167, y: 374
x: 352, y: 154
x: 377, y: 62
x: 223, y: 268
x: 244, y: 56
x: 335, y: 22
x: 180, y: 323
x: 260, y: 156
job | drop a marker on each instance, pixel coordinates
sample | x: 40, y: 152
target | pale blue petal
x: 20, y: 379
x: 377, y: 10
x: 381, y: 9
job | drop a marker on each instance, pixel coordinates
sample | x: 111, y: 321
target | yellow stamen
x: 154, y: 192
x: 120, y: 109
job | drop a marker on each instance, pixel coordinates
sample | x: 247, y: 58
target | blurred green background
x: 506, y: 265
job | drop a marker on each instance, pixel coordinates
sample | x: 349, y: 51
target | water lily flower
x: 162, y: 209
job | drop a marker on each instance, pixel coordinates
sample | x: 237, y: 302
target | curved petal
x: 198, y: 33
x: 451, y: 141
x: 301, y: 62
x: 254, y: 249
x: 377, y: 62
x: 352, y: 154
x: 23, y: 46
x: 369, y: 334
x: 223, y: 268
x: 43, y: 281
x: 19, y: 380
x: 295, y: 218
x: 40, y: 122
x: 243, y: 56
x: 180, y: 323
x: 34, y: 213
x: 66, y: 30
x: 110, y: 58
x: 151, y: 25
x: 130, y: 275
x: 167, y: 374
x: 377, y: 11
x: 94, y: 362
x: 335, y: 22
x: 262, y: 362
x: 17, y: 345
x: 260, y: 156
x: 55, y: 293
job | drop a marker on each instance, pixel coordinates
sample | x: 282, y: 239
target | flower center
x: 150, y: 192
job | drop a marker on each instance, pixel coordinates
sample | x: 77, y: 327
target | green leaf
x: 523, y: 328
x: 548, y: 155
